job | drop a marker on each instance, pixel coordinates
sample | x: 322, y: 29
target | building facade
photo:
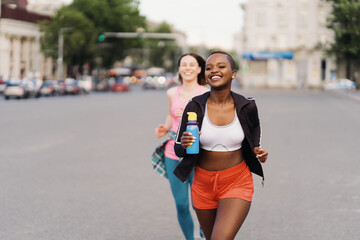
x: 282, y: 44
x: 20, y: 55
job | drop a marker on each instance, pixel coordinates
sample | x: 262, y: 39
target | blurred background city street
x: 83, y: 86
x: 80, y: 168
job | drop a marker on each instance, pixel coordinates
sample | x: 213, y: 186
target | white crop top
x: 221, y: 138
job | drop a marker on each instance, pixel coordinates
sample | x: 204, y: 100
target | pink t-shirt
x: 177, y: 105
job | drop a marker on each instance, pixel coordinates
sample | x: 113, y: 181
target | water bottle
x: 192, y: 127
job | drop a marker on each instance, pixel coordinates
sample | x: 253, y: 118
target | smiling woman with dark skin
x: 229, y: 151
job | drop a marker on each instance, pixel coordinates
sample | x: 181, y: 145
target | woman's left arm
x: 261, y: 154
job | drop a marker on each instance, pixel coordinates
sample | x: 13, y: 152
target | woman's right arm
x: 163, y: 129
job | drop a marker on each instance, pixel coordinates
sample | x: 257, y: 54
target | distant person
x: 191, y: 75
x: 230, y: 150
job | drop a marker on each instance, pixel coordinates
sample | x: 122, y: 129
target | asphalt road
x: 79, y: 167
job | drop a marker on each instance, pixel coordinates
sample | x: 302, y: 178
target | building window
x: 261, y: 18
x: 302, y: 42
x: 303, y: 2
x: 323, y: 69
x: 302, y: 18
x: 282, y: 41
x: 281, y: 19
x: 261, y: 42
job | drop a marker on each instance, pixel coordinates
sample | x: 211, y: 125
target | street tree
x: 78, y: 41
x: 345, y: 23
x: 87, y: 20
x: 163, y: 52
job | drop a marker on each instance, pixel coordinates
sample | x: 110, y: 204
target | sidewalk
x: 354, y: 94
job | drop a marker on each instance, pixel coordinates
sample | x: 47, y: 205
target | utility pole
x: 61, y: 51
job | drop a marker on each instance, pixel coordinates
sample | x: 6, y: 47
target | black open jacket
x: 248, y: 116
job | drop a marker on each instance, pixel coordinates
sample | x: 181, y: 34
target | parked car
x: 61, y: 85
x: 138, y: 76
x: 340, y: 84
x: 31, y: 87
x: 50, y: 88
x: 155, y: 82
x: 102, y: 86
x: 71, y: 86
x: 157, y: 78
x: 110, y: 82
x: 85, y: 84
x: 120, y: 86
x: 149, y: 83
x: 119, y: 79
x: 2, y: 84
x: 14, y: 89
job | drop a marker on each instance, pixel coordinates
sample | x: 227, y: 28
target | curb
x: 350, y: 94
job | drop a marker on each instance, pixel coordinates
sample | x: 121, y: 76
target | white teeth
x: 215, y: 77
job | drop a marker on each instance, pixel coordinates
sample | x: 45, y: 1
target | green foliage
x: 163, y: 52
x: 77, y: 42
x: 87, y: 19
x: 345, y: 22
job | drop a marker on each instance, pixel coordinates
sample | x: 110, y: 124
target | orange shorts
x: 210, y: 186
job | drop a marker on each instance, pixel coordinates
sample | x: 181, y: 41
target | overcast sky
x: 210, y: 22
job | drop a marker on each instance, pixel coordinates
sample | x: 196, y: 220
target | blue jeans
x: 180, y: 192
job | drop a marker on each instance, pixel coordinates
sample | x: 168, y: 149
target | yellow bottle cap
x: 192, y: 116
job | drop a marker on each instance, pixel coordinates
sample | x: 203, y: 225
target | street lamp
x: 61, y: 50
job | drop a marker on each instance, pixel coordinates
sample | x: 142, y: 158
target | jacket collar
x: 239, y: 100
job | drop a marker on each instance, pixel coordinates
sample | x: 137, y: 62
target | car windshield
x: 71, y: 83
x: 48, y: 84
x: 13, y: 84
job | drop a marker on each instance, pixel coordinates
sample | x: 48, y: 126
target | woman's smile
x: 215, y: 78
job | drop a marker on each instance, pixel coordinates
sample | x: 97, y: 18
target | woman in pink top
x: 191, y: 75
